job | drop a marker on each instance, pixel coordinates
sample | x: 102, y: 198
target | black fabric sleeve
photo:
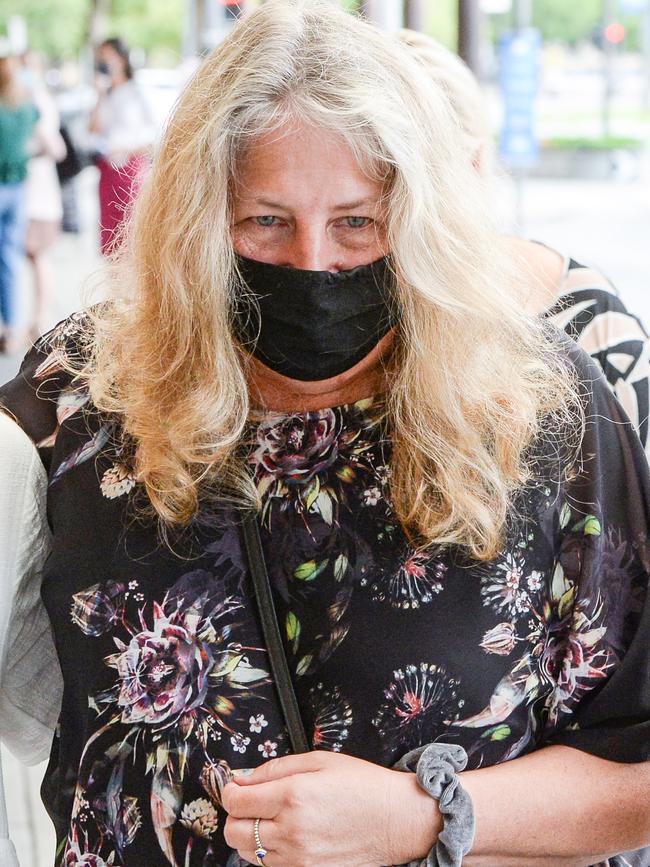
x: 36, y: 395
x: 613, y: 485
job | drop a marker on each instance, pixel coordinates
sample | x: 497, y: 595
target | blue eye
x: 357, y: 222
x: 265, y: 220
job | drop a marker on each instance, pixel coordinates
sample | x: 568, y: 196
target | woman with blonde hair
x: 335, y: 574
x: 574, y: 297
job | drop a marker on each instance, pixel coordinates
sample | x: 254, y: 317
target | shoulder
x: 608, y: 428
x: 588, y: 293
x: 46, y: 389
x: 20, y: 458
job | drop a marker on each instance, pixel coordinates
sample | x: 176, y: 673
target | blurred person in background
x: 18, y: 118
x: 122, y: 131
x: 578, y: 299
x: 44, y: 206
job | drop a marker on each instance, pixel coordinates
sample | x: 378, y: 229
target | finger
x: 263, y: 801
x: 284, y: 766
x: 240, y: 834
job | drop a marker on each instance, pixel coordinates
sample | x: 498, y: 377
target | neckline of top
x: 272, y: 392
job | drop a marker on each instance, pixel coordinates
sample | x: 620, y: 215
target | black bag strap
x: 272, y: 636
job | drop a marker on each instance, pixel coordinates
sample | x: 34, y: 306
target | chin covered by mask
x: 314, y: 325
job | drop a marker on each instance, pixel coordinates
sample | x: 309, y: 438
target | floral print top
x: 166, y: 679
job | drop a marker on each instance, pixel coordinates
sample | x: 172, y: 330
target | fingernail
x: 242, y: 772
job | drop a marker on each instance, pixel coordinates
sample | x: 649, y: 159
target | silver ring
x: 260, y: 851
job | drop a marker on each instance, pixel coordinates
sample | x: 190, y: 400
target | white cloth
x: 31, y: 685
x: 125, y: 122
x: 30, y: 676
x: 43, y: 190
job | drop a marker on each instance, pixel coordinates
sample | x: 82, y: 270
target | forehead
x: 303, y: 165
x: 108, y: 50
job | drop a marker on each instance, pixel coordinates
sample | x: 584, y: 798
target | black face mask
x: 315, y: 324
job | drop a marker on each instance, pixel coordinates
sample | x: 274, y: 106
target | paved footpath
x: 604, y: 224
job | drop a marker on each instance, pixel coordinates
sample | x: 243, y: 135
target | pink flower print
x: 77, y: 855
x: 117, y: 480
x: 239, y: 743
x: 214, y: 777
x: 200, y: 818
x: 94, y: 610
x: 534, y: 581
x: 500, y: 640
x: 575, y: 658
x: 383, y: 474
x: 502, y: 587
x: 298, y: 447
x: 257, y: 723
x: 513, y: 576
x: 86, y: 860
x: 332, y: 718
x: 414, y: 583
x: 371, y: 496
x: 163, y: 673
x: 421, y: 702
x: 269, y: 749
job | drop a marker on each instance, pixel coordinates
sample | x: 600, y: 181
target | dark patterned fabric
x: 167, y: 683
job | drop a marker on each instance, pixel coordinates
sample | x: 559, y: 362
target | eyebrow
x: 344, y: 206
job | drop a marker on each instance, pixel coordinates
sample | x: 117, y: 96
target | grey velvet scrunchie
x: 436, y: 767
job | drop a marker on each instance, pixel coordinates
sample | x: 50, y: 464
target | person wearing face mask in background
x: 315, y: 368
x: 122, y: 132
x: 576, y: 298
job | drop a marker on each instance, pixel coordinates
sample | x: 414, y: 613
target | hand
x: 102, y: 83
x: 329, y: 809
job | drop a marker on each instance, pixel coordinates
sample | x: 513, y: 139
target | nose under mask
x: 313, y: 325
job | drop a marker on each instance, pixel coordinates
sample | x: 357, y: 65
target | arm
x: 564, y: 807
x: 555, y: 808
x: 95, y: 125
x: 49, y: 143
x: 135, y: 132
x: 46, y: 133
x: 30, y: 691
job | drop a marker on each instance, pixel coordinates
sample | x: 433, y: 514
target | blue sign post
x: 520, y: 65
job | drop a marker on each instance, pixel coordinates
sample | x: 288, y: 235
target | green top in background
x: 16, y: 128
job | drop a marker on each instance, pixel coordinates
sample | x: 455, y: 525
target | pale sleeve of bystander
x: 30, y: 683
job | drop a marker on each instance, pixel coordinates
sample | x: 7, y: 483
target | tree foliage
x: 569, y: 22
x: 55, y: 27
x: 60, y: 28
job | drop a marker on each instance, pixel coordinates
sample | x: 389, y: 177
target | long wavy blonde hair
x: 475, y: 376
x: 456, y: 79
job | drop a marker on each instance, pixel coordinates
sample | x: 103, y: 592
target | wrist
x: 414, y: 820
